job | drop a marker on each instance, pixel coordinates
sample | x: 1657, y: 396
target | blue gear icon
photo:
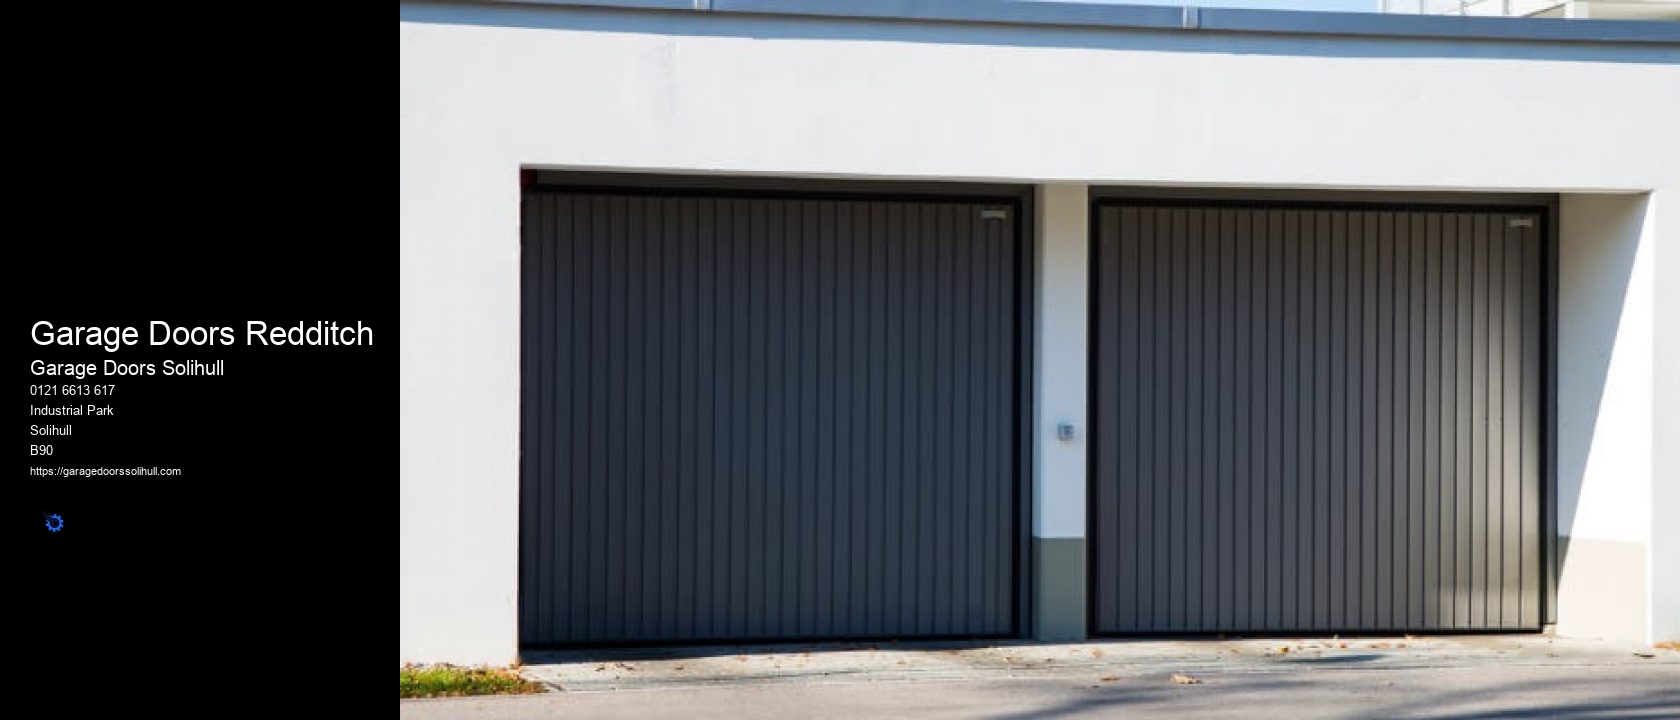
x: 51, y: 519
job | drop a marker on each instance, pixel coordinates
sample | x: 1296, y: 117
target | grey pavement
x: 1461, y: 677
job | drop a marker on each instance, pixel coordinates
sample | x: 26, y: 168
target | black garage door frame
x: 1543, y: 205
x: 1020, y: 199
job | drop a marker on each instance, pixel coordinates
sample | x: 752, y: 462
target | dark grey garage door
x: 767, y: 418
x: 1316, y: 419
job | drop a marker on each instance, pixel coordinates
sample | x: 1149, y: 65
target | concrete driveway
x: 1463, y: 677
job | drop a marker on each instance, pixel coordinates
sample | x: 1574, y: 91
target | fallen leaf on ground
x: 1669, y: 645
x: 1096, y: 653
x: 1638, y: 653
x: 1180, y: 679
x: 1344, y: 646
x: 1110, y: 678
x: 1284, y: 649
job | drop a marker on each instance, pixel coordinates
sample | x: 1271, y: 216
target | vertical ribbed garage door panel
x: 1315, y: 419
x: 758, y: 418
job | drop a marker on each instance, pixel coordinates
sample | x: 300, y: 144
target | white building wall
x: 458, y: 426
x: 605, y: 90
x: 1662, y: 232
x: 1606, y: 371
x: 1063, y: 238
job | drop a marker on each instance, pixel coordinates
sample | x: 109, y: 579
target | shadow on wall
x: 1599, y: 238
x: 765, y: 27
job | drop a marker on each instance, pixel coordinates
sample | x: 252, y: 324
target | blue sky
x: 1336, y: 5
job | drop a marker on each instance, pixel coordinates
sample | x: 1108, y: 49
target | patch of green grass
x: 451, y: 681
